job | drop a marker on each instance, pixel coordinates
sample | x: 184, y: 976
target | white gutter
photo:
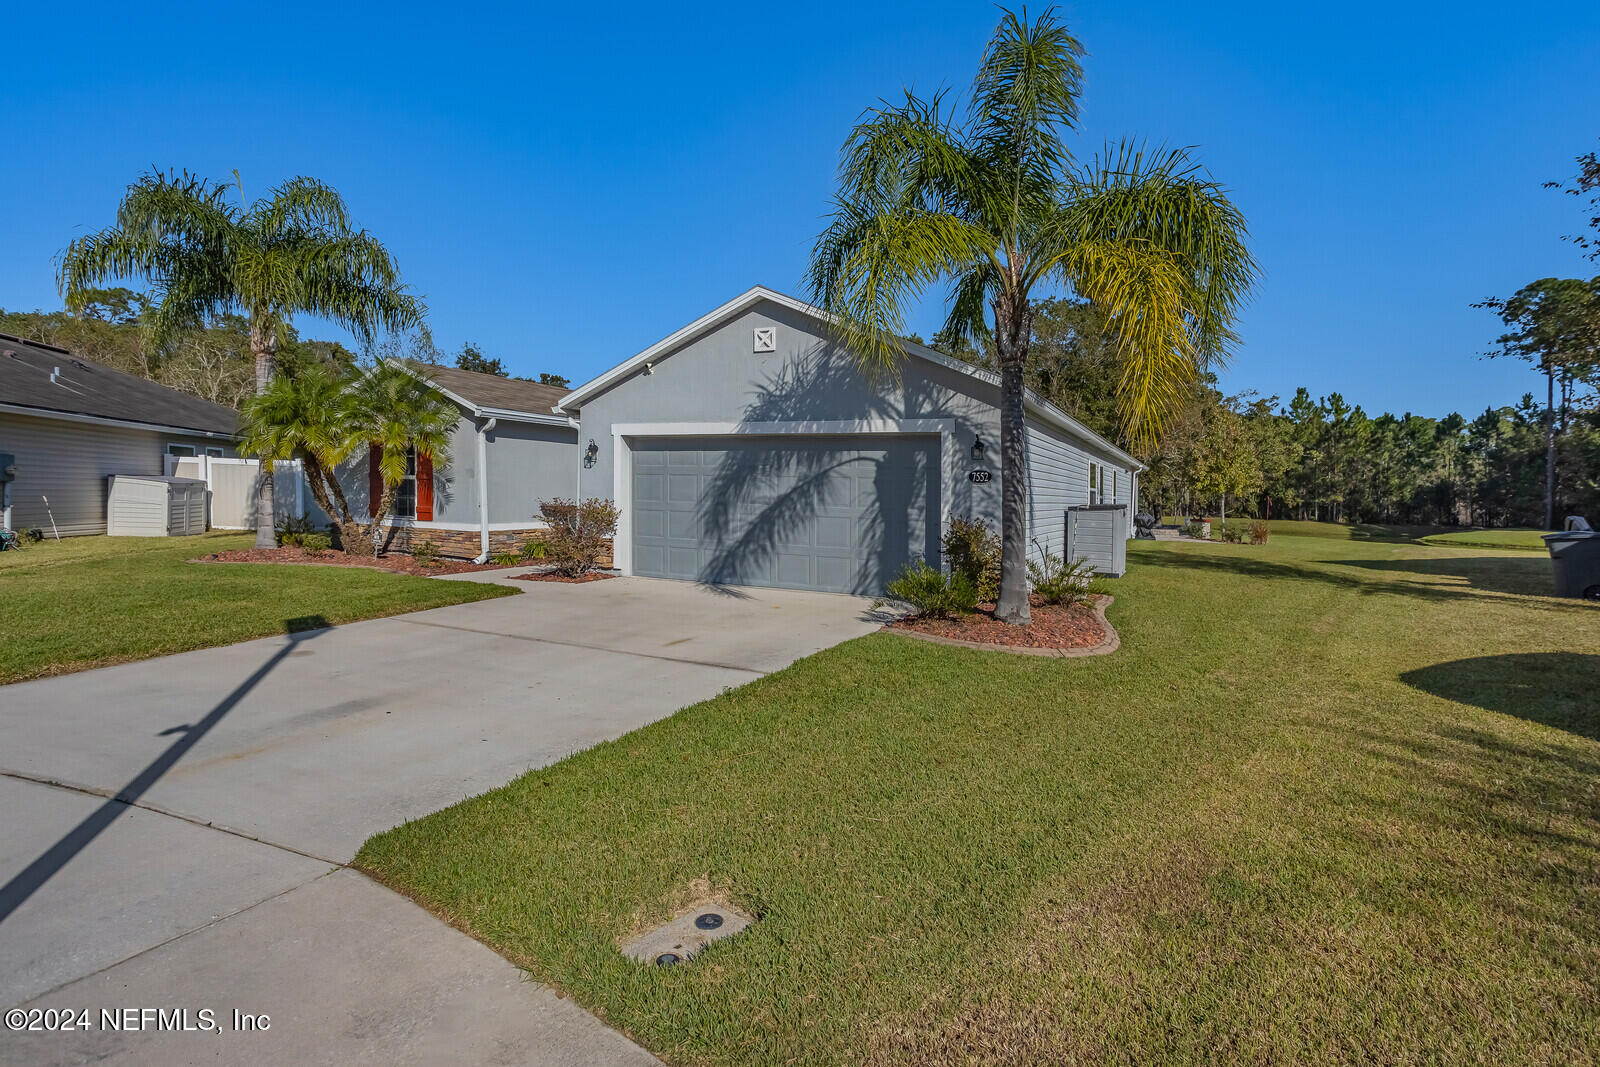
x: 483, y: 489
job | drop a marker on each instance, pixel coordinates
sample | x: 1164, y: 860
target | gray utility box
x: 1099, y: 533
x: 1575, y: 559
x: 148, y: 505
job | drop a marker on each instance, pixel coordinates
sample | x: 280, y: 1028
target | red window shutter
x: 424, y: 487
x: 374, y: 479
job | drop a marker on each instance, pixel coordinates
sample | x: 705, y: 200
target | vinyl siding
x: 68, y: 463
x: 1058, y: 478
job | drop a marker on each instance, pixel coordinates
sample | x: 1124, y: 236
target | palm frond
x: 1143, y: 293
x: 1165, y: 199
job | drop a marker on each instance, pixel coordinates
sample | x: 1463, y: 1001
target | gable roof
x: 48, y: 380
x: 1035, y: 404
x: 490, y: 394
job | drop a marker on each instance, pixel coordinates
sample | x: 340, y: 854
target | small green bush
x: 1195, y: 529
x: 1258, y: 531
x: 1234, y: 531
x: 972, y: 549
x: 1061, y: 583
x: 315, y: 544
x: 534, y: 550
x: 426, y: 553
x: 929, y: 592
x: 505, y: 559
x: 292, y: 531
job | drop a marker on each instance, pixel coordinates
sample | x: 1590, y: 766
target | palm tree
x: 398, y: 410
x: 314, y: 416
x: 206, y: 255
x: 994, y: 206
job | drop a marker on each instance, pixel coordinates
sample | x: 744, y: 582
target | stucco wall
x: 68, y: 462
x: 528, y: 463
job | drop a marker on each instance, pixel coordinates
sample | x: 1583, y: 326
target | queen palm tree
x: 992, y: 204
x: 206, y: 252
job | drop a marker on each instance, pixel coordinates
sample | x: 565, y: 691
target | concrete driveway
x: 173, y: 832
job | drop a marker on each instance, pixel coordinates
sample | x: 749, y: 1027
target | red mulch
x: 552, y: 576
x: 1052, y: 626
x: 400, y: 564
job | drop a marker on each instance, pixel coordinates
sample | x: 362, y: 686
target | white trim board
x: 1032, y: 401
x: 622, y: 457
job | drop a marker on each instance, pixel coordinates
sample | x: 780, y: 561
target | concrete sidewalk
x: 172, y: 832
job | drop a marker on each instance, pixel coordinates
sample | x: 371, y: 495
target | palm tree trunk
x: 1550, y: 446
x: 1013, y: 331
x: 263, y: 345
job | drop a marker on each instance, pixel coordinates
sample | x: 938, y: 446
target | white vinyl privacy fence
x: 232, y: 486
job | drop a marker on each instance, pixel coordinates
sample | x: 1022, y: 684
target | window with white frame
x: 405, y: 498
x: 214, y: 453
x: 180, y: 450
x: 1094, y: 483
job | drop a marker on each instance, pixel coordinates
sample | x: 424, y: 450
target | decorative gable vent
x: 766, y: 338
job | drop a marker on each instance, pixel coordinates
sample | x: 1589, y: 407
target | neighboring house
x: 748, y: 449
x: 70, y: 422
x: 510, y: 430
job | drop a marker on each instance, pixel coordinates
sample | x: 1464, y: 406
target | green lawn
x: 1335, y: 800
x: 89, y: 601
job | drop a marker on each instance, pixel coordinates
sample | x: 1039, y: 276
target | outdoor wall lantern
x: 590, y: 452
x: 977, y: 449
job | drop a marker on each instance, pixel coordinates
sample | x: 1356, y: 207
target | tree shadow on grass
x: 1559, y: 689
x: 1525, y: 576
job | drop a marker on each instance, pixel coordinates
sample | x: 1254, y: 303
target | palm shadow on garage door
x: 840, y: 514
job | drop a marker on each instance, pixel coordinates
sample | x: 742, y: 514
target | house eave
x: 103, y: 420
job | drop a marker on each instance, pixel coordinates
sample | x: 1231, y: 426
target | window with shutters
x: 405, y: 497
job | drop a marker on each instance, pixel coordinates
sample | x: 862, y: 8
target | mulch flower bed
x: 552, y: 576
x: 1053, y: 626
x: 400, y: 564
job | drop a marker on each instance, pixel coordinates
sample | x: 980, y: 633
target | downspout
x: 483, y: 489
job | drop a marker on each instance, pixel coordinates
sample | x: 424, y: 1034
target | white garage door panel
x: 840, y: 514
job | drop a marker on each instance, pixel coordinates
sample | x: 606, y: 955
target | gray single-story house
x: 747, y: 448
x: 68, y: 423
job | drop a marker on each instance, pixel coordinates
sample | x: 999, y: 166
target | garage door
x: 839, y: 514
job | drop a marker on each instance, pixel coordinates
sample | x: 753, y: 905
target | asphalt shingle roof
x: 493, y: 391
x: 37, y: 375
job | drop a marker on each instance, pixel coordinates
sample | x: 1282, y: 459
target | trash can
x: 1575, y: 559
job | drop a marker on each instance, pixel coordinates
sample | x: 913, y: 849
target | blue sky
x: 568, y: 186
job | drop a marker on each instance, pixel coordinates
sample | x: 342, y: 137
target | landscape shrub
x: 972, y: 549
x: 505, y: 559
x: 1258, y: 531
x: 535, y: 550
x: 930, y: 593
x: 579, y: 532
x: 1057, y: 582
x: 426, y: 553
x: 315, y: 544
x: 1234, y: 531
x: 292, y: 531
x: 1195, y: 529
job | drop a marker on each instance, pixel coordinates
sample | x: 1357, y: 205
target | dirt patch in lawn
x: 1054, y: 628
x: 552, y: 576
x: 399, y: 564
